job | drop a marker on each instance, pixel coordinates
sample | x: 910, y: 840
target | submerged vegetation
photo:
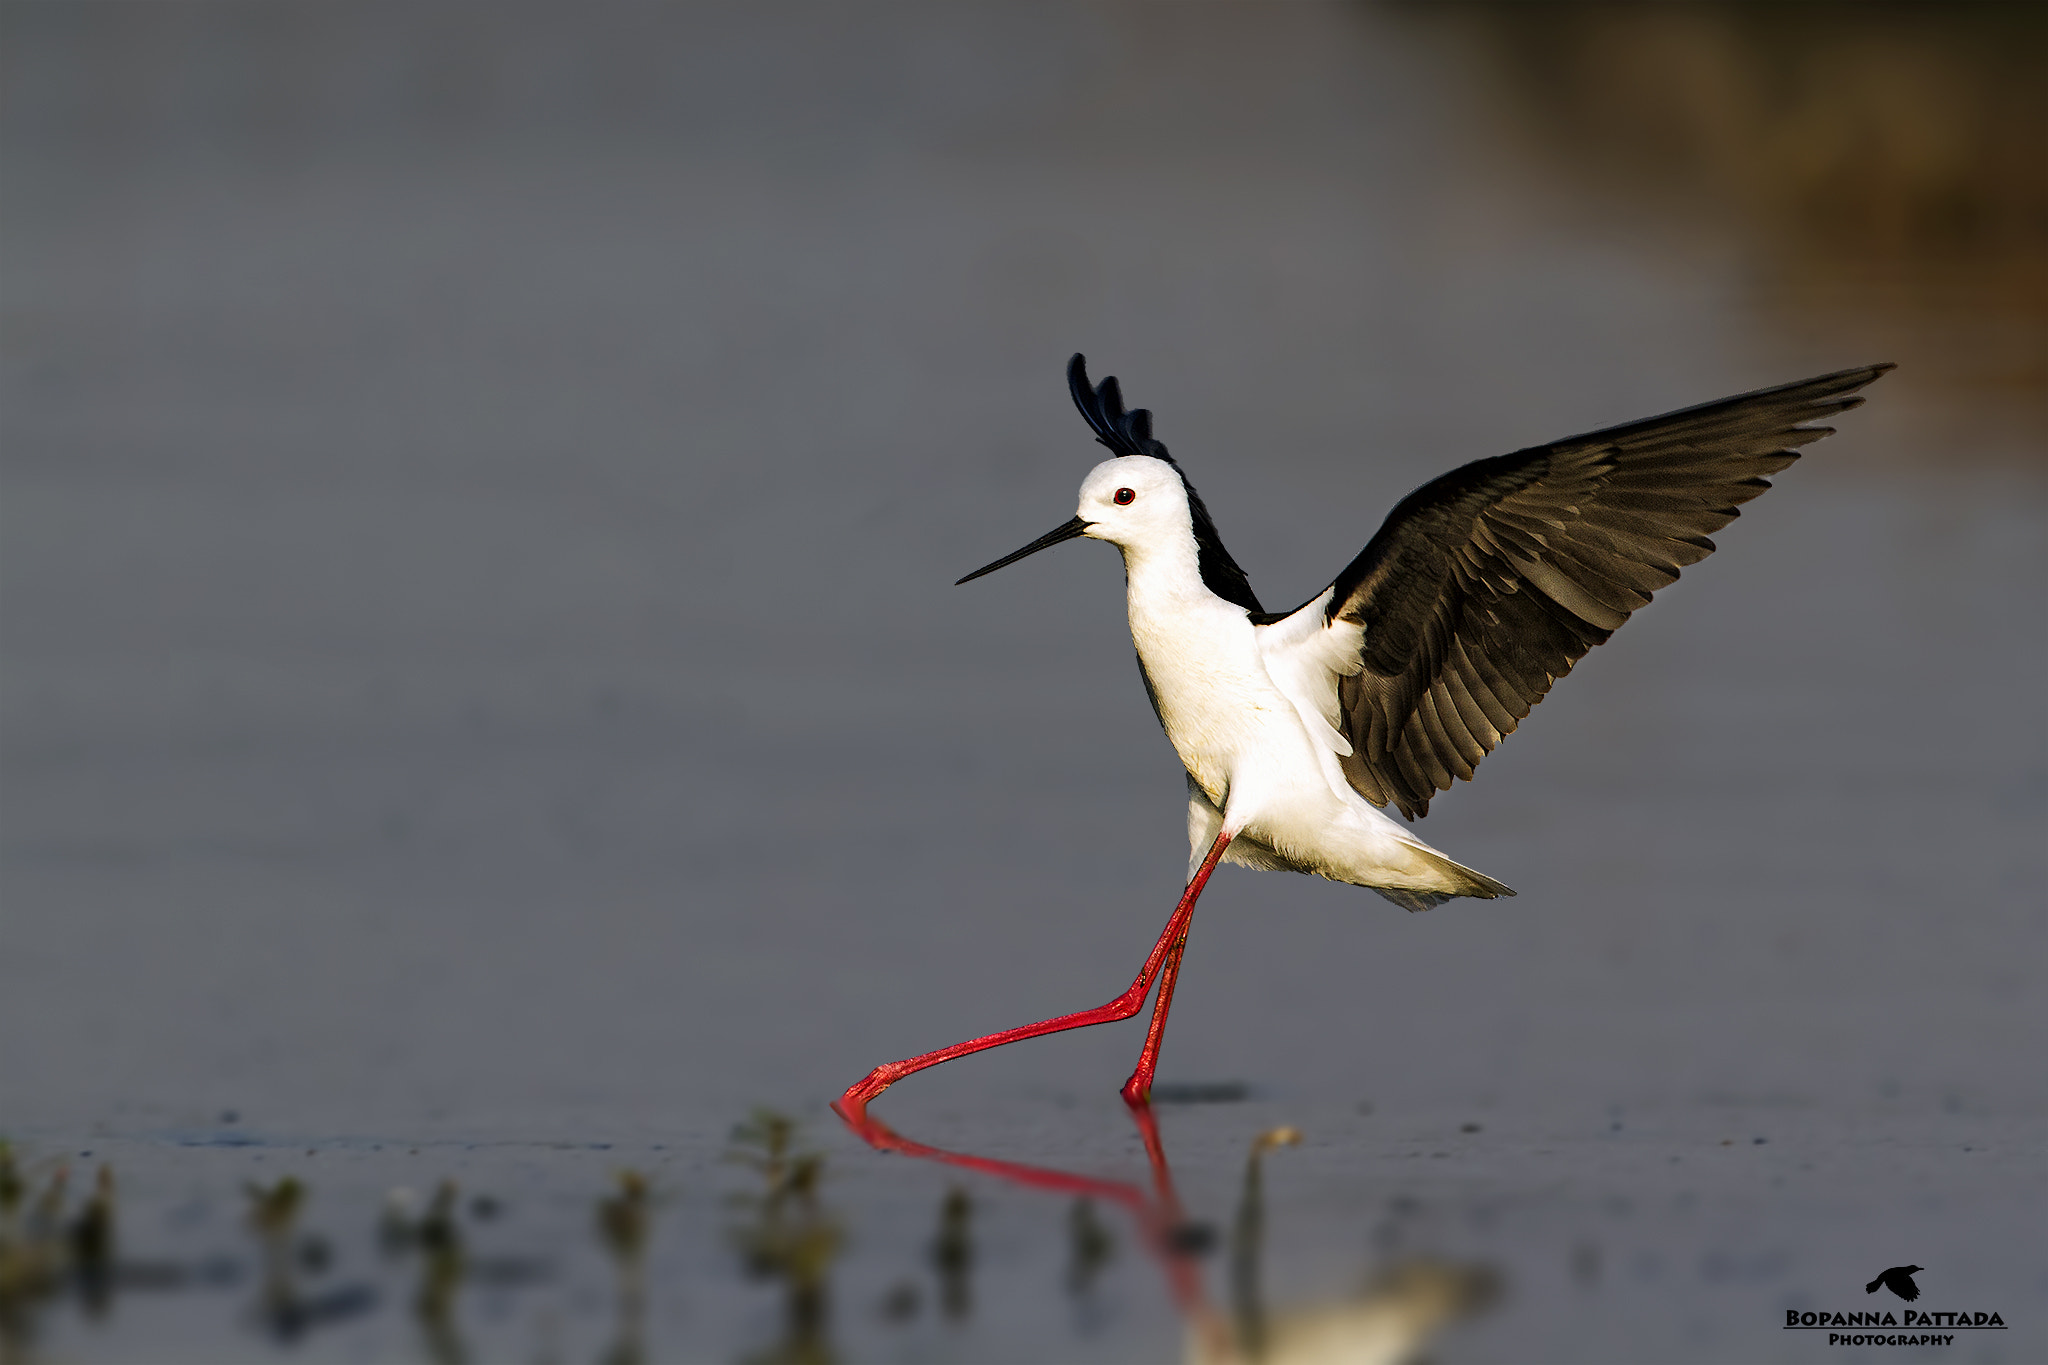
x: 47, y: 1251
x: 790, y: 1238
x: 429, y: 1260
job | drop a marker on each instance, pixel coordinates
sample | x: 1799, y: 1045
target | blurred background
x: 481, y: 495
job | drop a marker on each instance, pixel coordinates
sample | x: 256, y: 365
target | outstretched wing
x: 1485, y: 586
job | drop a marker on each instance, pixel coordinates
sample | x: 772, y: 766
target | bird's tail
x: 1441, y: 880
x: 1871, y: 1288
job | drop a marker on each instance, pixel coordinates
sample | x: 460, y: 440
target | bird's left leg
x: 1205, y: 821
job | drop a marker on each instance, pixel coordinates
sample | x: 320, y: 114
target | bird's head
x: 1133, y: 502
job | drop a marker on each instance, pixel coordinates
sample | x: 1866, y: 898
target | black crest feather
x: 1130, y: 433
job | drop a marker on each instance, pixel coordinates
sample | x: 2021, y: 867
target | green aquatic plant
x: 46, y: 1213
x: 273, y: 1214
x: 31, y: 1256
x: 274, y: 1208
x: 90, y: 1241
x: 439, y: 1239
x: 442, y: 1264
x: 765, y: 1142
x: 12, y: 1186
x: 624, y: 1219
x: 952, y: 1254
x: 1090, y: 1247
x: 41, y: 1252
x: 790, y: 1238
x: 446, y: 1263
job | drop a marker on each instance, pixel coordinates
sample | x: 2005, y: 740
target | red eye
x: 1126, y: 496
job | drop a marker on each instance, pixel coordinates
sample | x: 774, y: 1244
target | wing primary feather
x: 1487, y: 584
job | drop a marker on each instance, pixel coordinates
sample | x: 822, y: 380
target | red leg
x: 1138, y: 1089
x: 853, y: 1104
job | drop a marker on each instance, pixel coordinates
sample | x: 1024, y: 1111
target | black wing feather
x: 1485, y: 586
x: 1130, y: 433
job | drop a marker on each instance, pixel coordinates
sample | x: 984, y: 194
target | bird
x: 1899, y: 1279
x: 1481, y: 589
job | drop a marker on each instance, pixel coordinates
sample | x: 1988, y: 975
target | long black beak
x: 1066, y: 532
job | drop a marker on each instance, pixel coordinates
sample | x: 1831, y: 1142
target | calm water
x: 484, y: 699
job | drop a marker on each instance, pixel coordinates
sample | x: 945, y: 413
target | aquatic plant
x: 624, y: 1219
x: 791, y: 1238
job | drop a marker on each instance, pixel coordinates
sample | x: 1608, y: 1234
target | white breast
x: 1201, y: 658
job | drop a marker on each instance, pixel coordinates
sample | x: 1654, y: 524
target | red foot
x: 853, y: 1105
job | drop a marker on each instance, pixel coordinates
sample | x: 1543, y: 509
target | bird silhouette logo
x: 1899, y: 1279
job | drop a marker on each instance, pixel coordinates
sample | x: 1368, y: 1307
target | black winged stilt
x: 1481, y: 589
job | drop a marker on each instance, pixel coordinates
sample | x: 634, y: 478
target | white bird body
x: 1479, y: 591
x: 1252, y: 709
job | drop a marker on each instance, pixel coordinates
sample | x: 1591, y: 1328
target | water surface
x: 484, y: 698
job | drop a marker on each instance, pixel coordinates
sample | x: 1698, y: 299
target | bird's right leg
x: 854, y: 1102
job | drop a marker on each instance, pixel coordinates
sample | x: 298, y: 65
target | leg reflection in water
x: 1399, y: 1309
x: 1165, y: 1231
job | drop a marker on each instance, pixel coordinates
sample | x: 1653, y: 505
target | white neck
x: 1167, y: 569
